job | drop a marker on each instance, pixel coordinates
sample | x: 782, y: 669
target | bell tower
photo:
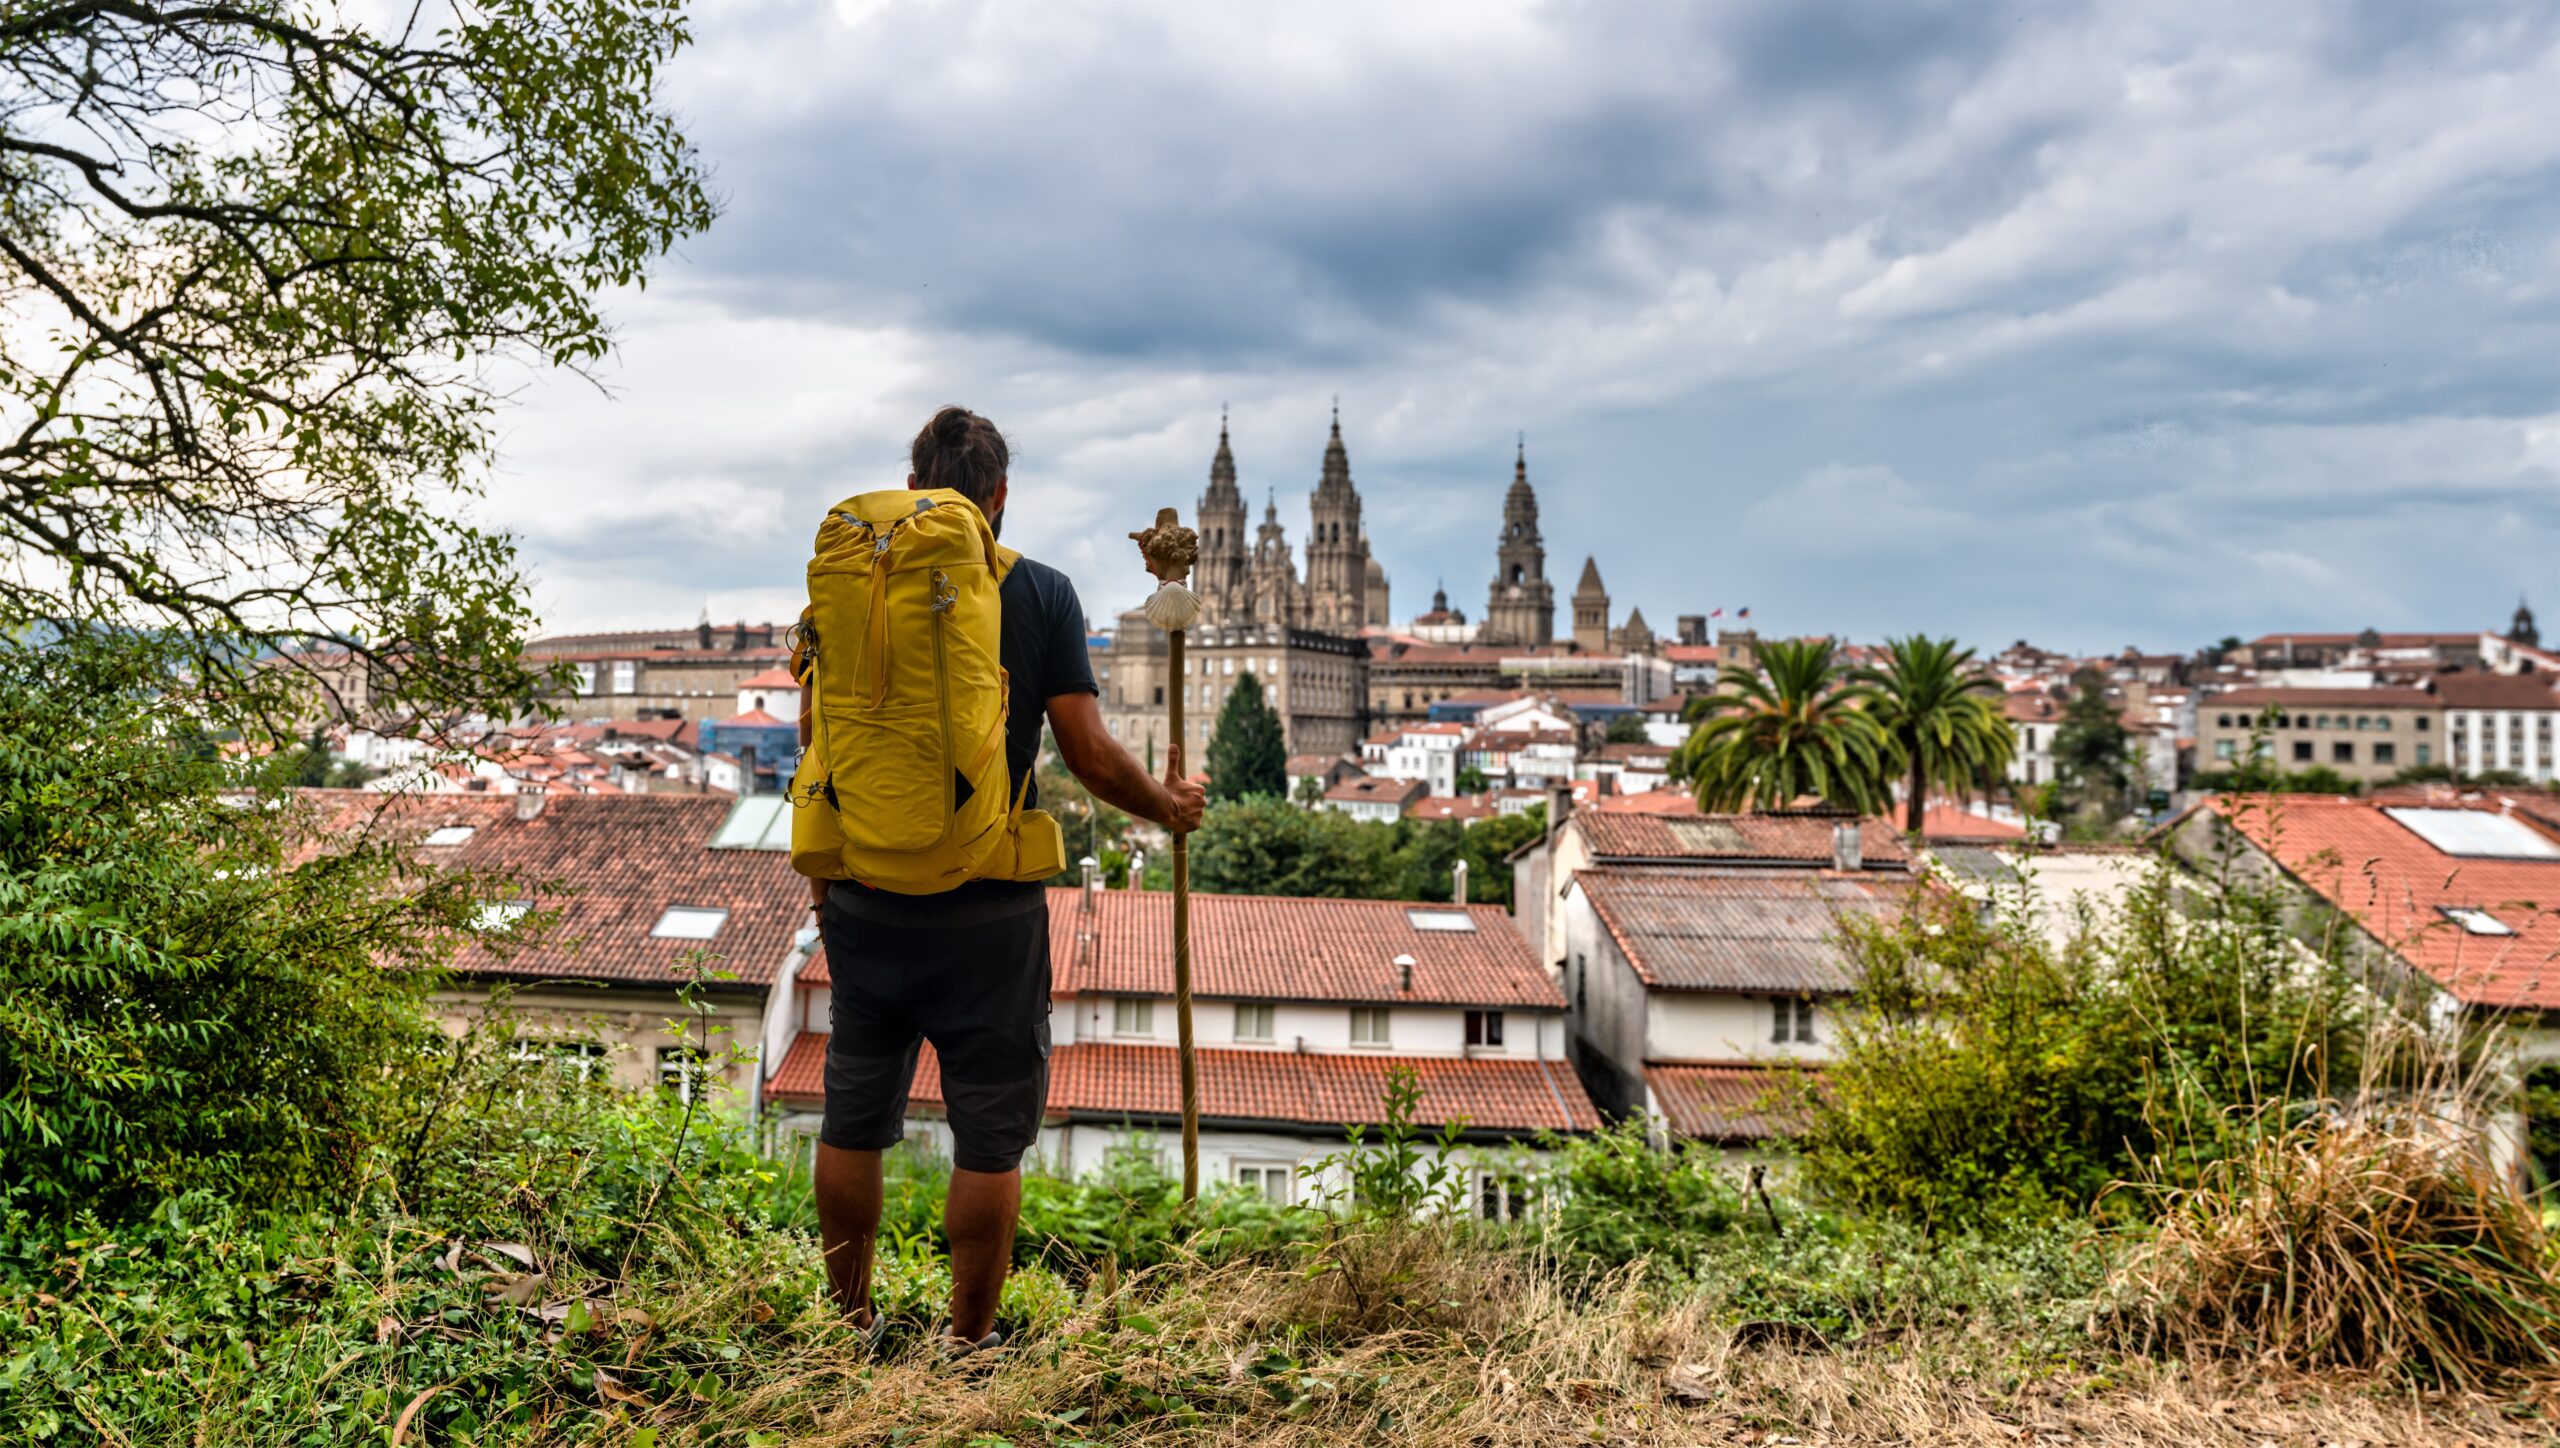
x: 1338, y: 549
x: 1223, y: 578
x: 1521, y: 609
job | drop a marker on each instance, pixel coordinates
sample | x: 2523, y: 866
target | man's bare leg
x: 847, y: 1184
x: 978, y: 1217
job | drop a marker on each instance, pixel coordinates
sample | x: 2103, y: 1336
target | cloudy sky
x: 2133, y: 324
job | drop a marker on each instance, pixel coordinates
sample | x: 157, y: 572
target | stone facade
x: 1316, y: 681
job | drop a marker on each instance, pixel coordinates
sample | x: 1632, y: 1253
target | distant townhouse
x: 1301, y: 1008
x: 2501, y: 722
x: 1628, y: 768
x: 1694, y: 988
x: 1426, y: 753
x: 2034, y: 717
x: 2449, y: 898
x: 649, y: 892
x: 2368, y: 735
x: 647, y: 673
x: 1373, y: 800
x: 2369, y: 649
x: 1326, y: 770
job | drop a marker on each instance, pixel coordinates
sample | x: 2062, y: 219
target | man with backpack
x: 930, y: 656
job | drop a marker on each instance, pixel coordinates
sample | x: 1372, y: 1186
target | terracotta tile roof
x: 1270, y: 947
x: 754, y: 719
x: 1376, y: 789
x: 2397, y: 885
x: 1771, y: 838
x: 771, y: 679
x: 2496, y: 691
x: 1315, y: 763
x: 1950, y: 823
x: 1635, y: 753
x: 1692, y: 653
x: 1726, y: 1103
x: 619, y: 861
x: 2284, y: 698
x: 2388, y: 641
x: 1737, y: 930
x: 1673, y: 801
x: 1444, y: 808
x: 1322, y: 1089
x: 2028, y: 706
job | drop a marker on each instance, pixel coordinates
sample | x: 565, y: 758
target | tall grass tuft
x: 2388, y: 1243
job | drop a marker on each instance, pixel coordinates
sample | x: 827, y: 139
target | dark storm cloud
x: 2137, y: 322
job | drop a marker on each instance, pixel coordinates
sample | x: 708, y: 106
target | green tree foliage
x: 1471, y: 781
x: 1796, y: 727
x: 1626, y: 729
x: 263, y: 256
x: 2092, y: 749
x: 1247, y: 755
x: 187, y: 1002
x: 1944, y: 717
x: 1983, y: 1074
x: 1264, y: 846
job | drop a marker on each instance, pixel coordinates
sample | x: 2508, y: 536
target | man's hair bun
x: 960, y: 450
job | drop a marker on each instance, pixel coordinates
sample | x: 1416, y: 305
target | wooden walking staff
x: 1170, y: 549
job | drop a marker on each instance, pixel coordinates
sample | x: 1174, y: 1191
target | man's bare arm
x: 808, y: 690
x: 1097, y: 759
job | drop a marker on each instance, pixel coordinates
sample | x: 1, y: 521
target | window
x: 1793, y: 1021
x: 689, y: 922
x: 2476, y: 922
x: 2424, y: 750
x: 1133, y: 1017
x: 2222, y: 721
x: 1440, y: 920
x: 757, y: 822
x: 2385, y: 752
x: 1230, y: 669
x: 577, y: 1060
x: 626, y: 676
x: 2418, y: 723
x: 1159, y: 696
x: 1484, y: 1028
x: 1253, y: 1022
x: 450, y: 835
x: 1369, y: 1026
x: 1501, y: 1198
x: 1268, y: 1178
x: 2223, y: 749
x: 683, y: 1070
x: 2302, y: 751
x: 2342, y: 752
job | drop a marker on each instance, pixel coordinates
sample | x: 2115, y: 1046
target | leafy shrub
x: 1984, y: 1076
x: 1617, y: 1199
x: 187, y: 1003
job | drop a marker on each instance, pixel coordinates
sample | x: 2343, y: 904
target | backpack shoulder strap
x: 1000, y: 560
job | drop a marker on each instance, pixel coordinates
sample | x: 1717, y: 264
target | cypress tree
x: 1246, y: 753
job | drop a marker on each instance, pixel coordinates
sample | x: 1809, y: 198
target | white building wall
x: 1715, y: 1026
x: 1317, y: 1027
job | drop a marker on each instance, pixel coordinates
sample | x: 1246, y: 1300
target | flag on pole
x: 1746, y: 613
x: 1715, y: 613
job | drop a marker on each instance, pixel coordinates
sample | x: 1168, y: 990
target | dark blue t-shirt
x: 1043, y: 654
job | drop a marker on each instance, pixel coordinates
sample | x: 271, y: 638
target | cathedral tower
x: 1223, y: 578
x: 1337, y: 551
x: 1591, y: 610
x: 1522, y: 606
x: 1276, y: 598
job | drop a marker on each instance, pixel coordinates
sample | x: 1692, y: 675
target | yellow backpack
x: 904, y: 786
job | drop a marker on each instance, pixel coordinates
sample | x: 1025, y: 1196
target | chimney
x: 1559, y: 806
x: 1404, y: 973
x: 1089, y: 877
x: 529, y: 802
x: 1847, y: 847
x: 1137, y: 869
x: 1458, y: 883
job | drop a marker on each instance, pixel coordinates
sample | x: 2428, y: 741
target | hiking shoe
x: 954, y: 1349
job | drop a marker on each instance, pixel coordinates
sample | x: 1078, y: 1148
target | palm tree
x: 1796, y: 726
x: 1943, y: 715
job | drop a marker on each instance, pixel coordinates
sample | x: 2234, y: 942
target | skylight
x: 450, y: 835
x: 498, y: 915
x: 2476, y: 922
x: 2477, y: 834
x: 1441, y: 920
x: 689, y: 922
x: 757, y: 822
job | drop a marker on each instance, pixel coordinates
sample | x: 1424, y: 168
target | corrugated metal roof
x: 1737, y: 930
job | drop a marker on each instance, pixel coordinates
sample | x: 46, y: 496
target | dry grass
x: 2379, y: 1245
x: 1408, y: 1337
